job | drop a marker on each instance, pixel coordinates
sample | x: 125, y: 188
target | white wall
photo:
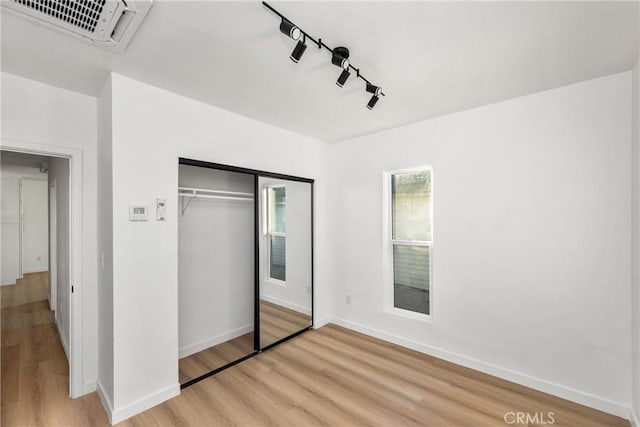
x: 59, y: 171
x: 531, y: 251
x: 520, y: 288
x: 152, y: 128
x: 35, y: 221
x: 295, y: 294
x: 215, y: 261
x: 635, y: 225
x: 39, y: 113
x: 10, y: 176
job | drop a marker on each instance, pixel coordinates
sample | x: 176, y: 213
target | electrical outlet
x: 347, y: 299
x: 102, y: 261
x: 308, y: 290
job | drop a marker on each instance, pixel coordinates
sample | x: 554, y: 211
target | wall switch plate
x: 138, y: 212
x: 161, y: 209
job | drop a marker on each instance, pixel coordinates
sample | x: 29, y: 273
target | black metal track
x: 238, y: 169
x: 256, y: 265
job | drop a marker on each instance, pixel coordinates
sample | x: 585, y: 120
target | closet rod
x: 192, y: 191
x: 191, y: 196
x: 211, y: 196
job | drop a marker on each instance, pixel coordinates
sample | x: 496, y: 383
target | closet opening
x: 245, y: 264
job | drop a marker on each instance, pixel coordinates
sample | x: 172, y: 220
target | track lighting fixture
x: 288, y: 29
x: 339, y: 55
x: 376, y: 91
x: 298, y: 50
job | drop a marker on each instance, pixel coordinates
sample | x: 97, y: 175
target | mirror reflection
x: 285, y: 252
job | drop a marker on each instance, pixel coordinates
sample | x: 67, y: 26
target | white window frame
x: 388, y: 243
x: 268, y: 233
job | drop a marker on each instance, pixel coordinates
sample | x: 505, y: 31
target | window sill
x: 427, y: 318
x: 275, y: 282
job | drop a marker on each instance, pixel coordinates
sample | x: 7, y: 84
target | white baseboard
x: 128, y: 411
x: 106, y: 402
x: 635, y: 420
x: 573, y: 395
x: 89, y: 387
x: 37, y: 269
x: 63, y: 340
x: 210, y: 342
x: 291, y: 306
x: 319, y: 323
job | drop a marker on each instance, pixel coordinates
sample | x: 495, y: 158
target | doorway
x: 59, y: 259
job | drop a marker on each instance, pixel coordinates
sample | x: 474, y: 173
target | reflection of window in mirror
x: 276, y: 231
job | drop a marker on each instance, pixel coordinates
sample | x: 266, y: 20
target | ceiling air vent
x: 105, y: 23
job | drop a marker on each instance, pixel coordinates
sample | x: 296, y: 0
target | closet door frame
x: 256, y: 303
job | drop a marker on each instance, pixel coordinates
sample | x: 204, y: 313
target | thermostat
x: 138, y: 212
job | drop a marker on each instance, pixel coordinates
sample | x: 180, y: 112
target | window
x: 276, y: 231
x: 409, y: 231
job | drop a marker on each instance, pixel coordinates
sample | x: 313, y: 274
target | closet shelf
x: 188, y: 194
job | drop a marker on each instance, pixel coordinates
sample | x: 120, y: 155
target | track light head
x: 287, y: 28
x: 372, y: 102
x: 376, y: 91
x: 340, y: 57
x: 344, y: 75
x: 298, y: 51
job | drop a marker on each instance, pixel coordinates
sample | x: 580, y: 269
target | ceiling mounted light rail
x: 339, y: 55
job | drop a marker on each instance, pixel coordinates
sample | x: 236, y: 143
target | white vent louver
x: 106, y: 23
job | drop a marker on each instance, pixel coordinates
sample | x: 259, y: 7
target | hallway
x: 35, y: 374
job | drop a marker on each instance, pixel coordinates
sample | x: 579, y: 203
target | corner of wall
x: 105, y: 248
x: 104, y: 399
x: 128, y: 411
x: 635, y: 245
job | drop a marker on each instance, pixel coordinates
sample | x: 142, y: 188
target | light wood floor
x: 204, y: 361
x: 35, y: 374
x: 277, y: 322
x: 33, y: 287
x: 330, y: 376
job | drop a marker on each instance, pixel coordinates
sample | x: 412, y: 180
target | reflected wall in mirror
x: 215, y: 268
x: 285, y: 264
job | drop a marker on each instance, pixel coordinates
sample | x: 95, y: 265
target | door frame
x: 74, y: 155
x: 53, y: 247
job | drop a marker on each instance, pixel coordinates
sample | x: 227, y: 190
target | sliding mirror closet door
x: 285, y: 258
x: 216, y: 269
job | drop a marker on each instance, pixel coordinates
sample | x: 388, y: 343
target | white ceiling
x: 431, y: 58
